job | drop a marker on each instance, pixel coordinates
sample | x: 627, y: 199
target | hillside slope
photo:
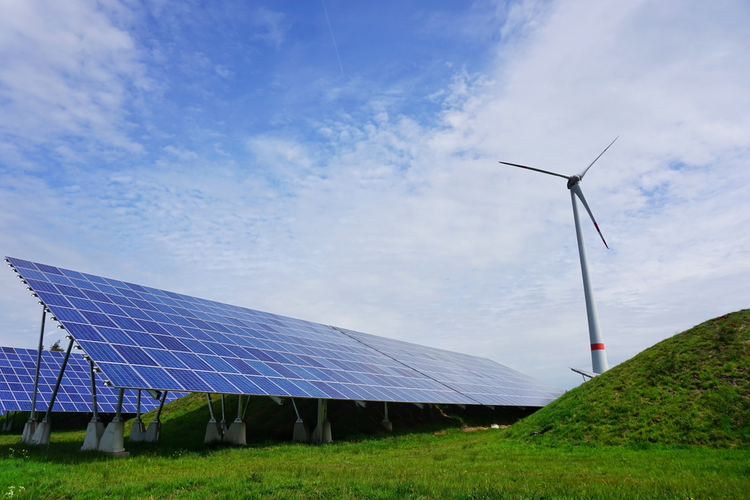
x: 693, y: 388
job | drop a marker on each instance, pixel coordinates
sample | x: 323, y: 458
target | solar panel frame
x: 227, y: 349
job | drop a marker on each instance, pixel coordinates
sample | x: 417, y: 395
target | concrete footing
x: 301, y: 432
x: 28, y: 432
x: 153, y: 432
x: 94, y: 433
x: 112, y: 441
x: 42, y: 432
x: 387, y: 425
x: 326, y: 437
x: 214, y: 432
x: 137, y: 432
x: 236, y: 434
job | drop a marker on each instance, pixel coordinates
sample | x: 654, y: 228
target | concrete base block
x: 301, y: 432
x: 112, y: 441
x: 153, y: 432
x: 137, y: 432
x: 94, y: 432
x: 213, y: 432
x: 28, y: 432
x: 387, y: 425
x: 326, y: 433
x: 41, y: 434
x: 236, y: 434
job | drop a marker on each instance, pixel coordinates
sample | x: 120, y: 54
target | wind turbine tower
x: 598, y: 354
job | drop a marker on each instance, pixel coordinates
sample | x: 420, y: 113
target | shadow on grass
x: 268, y: 424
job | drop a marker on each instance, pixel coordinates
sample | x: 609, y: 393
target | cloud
x: 180, y: 153
x: 67, y: 76
x: 408, y: 227
x: 270, y: 26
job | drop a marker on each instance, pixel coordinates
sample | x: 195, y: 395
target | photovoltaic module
x: 144, y: 338
x: 17, y: 369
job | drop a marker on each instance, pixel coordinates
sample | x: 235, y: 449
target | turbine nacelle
x: 574, y: 184
x: 573, y: 180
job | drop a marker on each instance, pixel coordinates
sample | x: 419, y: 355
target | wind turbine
x: 598, y: 355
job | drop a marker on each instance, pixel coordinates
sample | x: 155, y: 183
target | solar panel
x: 142, y: 337
x: 17, y: 370
x: 483, y: 380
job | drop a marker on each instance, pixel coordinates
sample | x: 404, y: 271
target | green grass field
x: 447, y: 464
x: 672, y: 422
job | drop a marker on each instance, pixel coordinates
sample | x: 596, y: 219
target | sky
x: 338, y: 161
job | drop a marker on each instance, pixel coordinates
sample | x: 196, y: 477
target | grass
x: 670, y: 423
x: 693, y: 388
x: 447, y: 464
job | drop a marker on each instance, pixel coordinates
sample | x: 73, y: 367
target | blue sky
x: 234, y: 151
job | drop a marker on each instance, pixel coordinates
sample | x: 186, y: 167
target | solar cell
x: 17, y: 370
x: 142, y: 337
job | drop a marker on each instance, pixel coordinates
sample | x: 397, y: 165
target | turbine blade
x: 535, y: 169
x: 577, y: 190
x: 600, y: 155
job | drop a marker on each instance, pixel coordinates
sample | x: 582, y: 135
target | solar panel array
x: 483, y: 380
x: 17, y: 371
x: 142, y: 337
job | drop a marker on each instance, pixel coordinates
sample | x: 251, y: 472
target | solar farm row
x: 142, y: 337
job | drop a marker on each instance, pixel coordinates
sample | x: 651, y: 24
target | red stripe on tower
x: 597, y: 347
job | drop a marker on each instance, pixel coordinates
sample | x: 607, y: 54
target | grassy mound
x: 693, y: 388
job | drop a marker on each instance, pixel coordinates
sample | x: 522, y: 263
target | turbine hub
x: 573, y: 180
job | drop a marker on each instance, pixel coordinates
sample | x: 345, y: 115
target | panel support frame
x: 43, y: 428
x: 30, y: 427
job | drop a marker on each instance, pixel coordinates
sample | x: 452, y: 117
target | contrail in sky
x: 332, y: 37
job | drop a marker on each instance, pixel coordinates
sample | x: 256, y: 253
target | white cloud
x: 66, y: 76
x: 414, y: 231
x: 181, y: 153
x: 270, y: 26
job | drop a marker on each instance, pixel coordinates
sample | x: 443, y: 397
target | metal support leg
x: 138, y: 430
x: 9, y: 418
x: 154, y: 428
x: 223, y: 422
x: 301, y: 432
x: 247, y: 405
x: 95, y: 428
x: 214, y: 432
x: 113, y: 440
x: 387, y: 425
x: 237, y: 432
x: 30, y: 427
x: 42, y: 432
x: 322, y: 433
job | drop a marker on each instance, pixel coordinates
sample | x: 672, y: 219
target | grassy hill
x: 693, y: 388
